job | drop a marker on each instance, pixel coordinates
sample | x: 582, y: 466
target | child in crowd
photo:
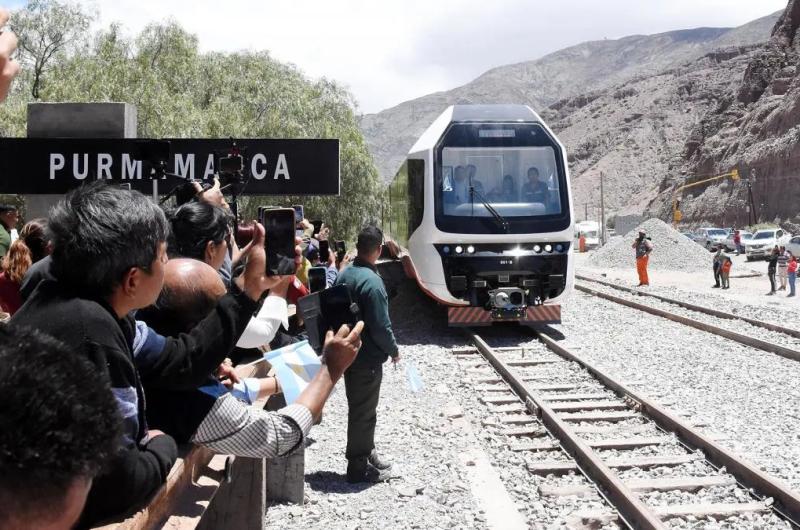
x: 726, y: 271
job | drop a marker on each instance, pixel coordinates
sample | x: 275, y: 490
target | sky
x: 390, y: 51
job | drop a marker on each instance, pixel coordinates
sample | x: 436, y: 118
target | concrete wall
x: 76, y: 120
x: 626, y: 223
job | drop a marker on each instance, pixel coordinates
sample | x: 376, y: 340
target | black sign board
x: 271, y: 167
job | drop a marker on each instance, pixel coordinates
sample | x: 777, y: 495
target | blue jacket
x: 367, y: 290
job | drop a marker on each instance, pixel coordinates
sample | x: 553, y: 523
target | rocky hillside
x: 589, y: 67
x: 755, y: 127
x: 636, y: 133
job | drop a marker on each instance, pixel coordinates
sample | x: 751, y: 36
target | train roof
x: 472, y: 113
x: 493, y: 113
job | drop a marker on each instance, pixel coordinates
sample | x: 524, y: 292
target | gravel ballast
x: 747, y: 396
x: 671, y: 250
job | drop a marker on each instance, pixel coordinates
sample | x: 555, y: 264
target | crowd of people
x: 124, y: 323
x: 781, y: 265
x: 161, y: 304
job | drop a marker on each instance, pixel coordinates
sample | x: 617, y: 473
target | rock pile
x: 672, y: 250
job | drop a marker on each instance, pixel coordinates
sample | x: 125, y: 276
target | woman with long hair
x: 32, y: 245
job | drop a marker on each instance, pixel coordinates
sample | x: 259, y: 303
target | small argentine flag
x: 295, y: 365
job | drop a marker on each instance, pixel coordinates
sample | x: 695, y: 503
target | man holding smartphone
x: 363, y: 379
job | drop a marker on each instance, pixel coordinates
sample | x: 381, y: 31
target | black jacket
x: 90, y: 328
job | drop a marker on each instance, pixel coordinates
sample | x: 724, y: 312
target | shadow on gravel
x: 416, y: 319
x: 330, y: 482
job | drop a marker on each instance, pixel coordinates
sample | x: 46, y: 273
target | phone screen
x: 324, y: 248
x: 298, y: 213
x: 317, y: 226
x: 279, y: 227
x: 317, y: 280
x: 337, y: 307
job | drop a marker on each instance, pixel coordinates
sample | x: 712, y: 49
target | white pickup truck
x: 763, y: 241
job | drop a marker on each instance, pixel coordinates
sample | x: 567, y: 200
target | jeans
x: 792, y: 278
x: 363, y: 387
x: 771, y: 274
x: 717, y: 275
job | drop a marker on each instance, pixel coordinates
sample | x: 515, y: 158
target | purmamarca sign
x: 274, y: 167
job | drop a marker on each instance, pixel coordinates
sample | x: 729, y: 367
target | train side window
x: 416, y: 193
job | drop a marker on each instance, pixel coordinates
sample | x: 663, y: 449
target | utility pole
x: 586, y: 211
x: 602, y: 212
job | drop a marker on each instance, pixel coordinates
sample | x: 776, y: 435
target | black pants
x: 771, y: 274
x: 717, y: 275
x: 363, y: 387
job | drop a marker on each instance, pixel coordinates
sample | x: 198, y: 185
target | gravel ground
x: 748, y: 396
x: 738, y: 326
x: 777, y: 314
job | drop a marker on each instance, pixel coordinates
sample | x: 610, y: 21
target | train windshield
x: 514, y: 181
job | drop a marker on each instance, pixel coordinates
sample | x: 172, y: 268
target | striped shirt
x: 235, y: 428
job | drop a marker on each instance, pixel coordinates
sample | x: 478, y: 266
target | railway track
x: 632, y: 451
x: 751, y: 332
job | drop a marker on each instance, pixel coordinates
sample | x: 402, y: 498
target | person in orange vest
x: 582, y: 242
x: 643, y: 247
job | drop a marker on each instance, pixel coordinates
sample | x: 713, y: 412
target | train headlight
x: 548, y: 248
x: 559, y: 248
x: 537, y: 248
x: 470, y: 250
x: 446, y: 250
x: 459, y: 249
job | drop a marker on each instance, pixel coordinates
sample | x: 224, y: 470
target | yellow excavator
x: 677, y: 216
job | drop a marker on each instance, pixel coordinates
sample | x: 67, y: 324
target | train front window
x: 514, y: 181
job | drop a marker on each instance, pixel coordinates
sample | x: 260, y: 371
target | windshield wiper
x: 499, y: 218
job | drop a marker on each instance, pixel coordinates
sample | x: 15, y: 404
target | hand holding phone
x: 279, y: 224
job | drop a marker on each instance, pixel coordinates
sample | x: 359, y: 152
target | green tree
x: 180, y: 92
x: 46, y: 30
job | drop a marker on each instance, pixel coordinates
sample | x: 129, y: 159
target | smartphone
x: 317, y: 226
x: 327, y: 310
x: 338, y: 308
x: 341, y: 250
x: 317, y: 279
x: 324, y: 249
x: 298, y: 213
x: 279, y: 226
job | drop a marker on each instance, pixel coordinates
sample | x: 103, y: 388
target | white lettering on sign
x: 104, y: 162
x: 209, y: 172
x: 184, y: 167
x: 56, y: 162
x: 258, y: 174
x: 281, y: 169
x: 125, y: 167
x: 131, y: 168
x: 76, y: 172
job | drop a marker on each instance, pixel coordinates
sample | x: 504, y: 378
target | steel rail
x: 753, y: 342
x: 786, y: 500
x: 631, y: 510
x: 693, y: 307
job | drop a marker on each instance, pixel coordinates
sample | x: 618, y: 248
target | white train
x: 484, y: 208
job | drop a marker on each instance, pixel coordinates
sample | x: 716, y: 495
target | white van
x: 590, y: 230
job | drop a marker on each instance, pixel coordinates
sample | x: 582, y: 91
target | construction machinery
x: 677, y: 216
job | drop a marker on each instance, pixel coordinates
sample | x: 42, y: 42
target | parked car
x: 711, y: 238
x: 728, y: 241
x: 764, y: 241
x: 793, y: 246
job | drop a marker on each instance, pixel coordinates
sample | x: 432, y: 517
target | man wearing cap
x: 643, y: 248
x: 8, y: 222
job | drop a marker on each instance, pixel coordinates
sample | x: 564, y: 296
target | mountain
x: 582, y: 69
x: 755, y: 128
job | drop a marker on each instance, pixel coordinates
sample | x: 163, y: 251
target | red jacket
x: 792, y: 267
x: 10, y: 300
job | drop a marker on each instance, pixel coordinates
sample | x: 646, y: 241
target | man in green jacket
x: 363, y: 379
